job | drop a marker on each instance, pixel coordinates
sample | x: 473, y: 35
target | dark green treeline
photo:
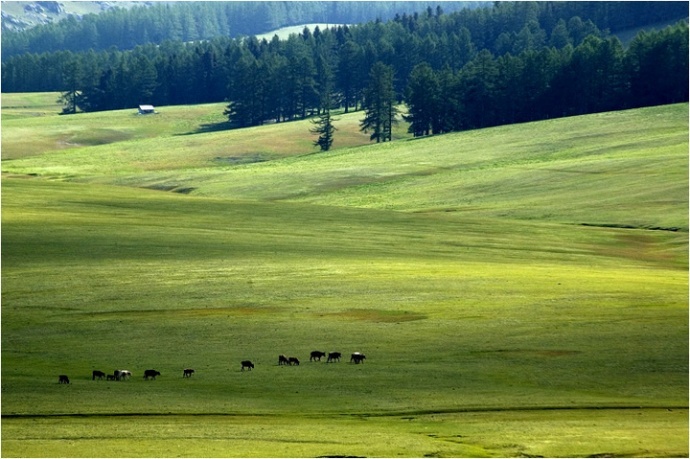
x: 597, y: 75
x: 510, y: 62
x: 154, y: 22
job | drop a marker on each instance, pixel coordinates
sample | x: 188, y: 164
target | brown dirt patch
x: 535, y: 352
x: 378, y: 315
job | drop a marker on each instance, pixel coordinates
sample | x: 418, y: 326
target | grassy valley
x: 519, y: 290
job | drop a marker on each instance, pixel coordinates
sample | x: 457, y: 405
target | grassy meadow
x: 518, y: 291
x: 284, y: 32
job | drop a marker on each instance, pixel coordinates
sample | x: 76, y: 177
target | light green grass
x: 285, y: 32
x: 178, y: 137
x: 489, y: 330
x: 630, y: 432
x: 599, y: 169
x: 34, y: 136
x: 29, y: 105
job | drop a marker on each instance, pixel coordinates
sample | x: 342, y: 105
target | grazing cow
x: 111, y: 378
x: 333, y: 356
x: 282, y: 360
x: 316, y: 355
x: 187, y: 373
x: 151, y: 374
x: 293, y: 361
x: 121, y: 375
x: 247, y: 364
x: 63, y: 379
x: 357, y: 357
x: 97, y: 375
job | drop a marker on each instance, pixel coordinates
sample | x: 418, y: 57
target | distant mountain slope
x: 25, y: 15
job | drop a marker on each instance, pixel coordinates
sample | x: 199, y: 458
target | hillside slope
x: 24, y: 15
x: 625, y: 168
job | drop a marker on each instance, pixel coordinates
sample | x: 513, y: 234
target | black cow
x: 247, y: 364
x: 187, y: 373
x: 333, y: 356
x: 293, y: 361
x: 97, y: 375
x: 151, y: 374
x: 282, y: 360
x: 63, y: 379
x: 316, y: 355
x: 357, y: 357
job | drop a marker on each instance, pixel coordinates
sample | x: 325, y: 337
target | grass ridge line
x: 624, y: 226
x: 387, y: 414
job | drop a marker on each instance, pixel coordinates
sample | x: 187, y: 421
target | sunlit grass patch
x: 553, y: 433
x: 30, y: 104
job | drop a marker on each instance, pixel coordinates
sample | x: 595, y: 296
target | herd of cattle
x: 356, y: 357
x: 121, y: 375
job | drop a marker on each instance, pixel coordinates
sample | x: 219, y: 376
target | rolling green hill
x: 517, y: 291
x: 617, y: 173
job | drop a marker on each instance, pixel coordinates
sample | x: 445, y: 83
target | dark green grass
x: 167, y: 282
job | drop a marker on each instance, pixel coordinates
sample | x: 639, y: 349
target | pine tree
x: 379, y: 104
x: 477, y: 95
x: 248, y: 93
x: 325, y: 129
x: 324, y: 121
x: 422, y: 99
x: 72, y: 77
x: 349, y: 60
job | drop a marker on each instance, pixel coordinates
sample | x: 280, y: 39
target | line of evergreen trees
x: 512, y: 62
x: 597, y: 75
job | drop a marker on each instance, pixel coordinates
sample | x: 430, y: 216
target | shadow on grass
x: 211, y: 127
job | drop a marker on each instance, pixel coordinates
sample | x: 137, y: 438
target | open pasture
x: 600, y: 169
x: 30, y: 104
x: 486, y: 333
x: 123, y: 142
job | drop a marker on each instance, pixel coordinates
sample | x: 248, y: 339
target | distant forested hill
x: 188, y: 21
x: 502, y: 63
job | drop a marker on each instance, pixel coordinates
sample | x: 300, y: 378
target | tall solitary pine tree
x: 325, y: 129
